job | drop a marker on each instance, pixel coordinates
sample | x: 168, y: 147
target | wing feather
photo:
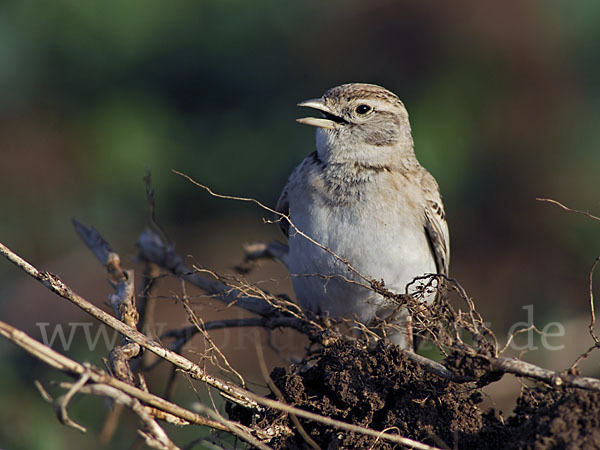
x: 283, y: 204
x: 283, y: 207
x: 436, y: 228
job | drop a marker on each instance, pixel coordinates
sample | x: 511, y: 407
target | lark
x: 362, y: 199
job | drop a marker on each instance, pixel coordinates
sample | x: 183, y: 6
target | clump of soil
x: 378, y: 389
x: 553, y: 418
x: 382, y: 389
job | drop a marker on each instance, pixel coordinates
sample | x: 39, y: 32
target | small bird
x: 362, y: 198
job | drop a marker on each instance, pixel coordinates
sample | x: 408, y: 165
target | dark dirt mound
x: 378, y: 389
x: 550, y: 418
x: 382, y: 389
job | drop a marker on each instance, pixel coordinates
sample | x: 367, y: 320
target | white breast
x: 376, y: 230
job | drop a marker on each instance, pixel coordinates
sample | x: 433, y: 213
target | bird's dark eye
x: 363, y: 109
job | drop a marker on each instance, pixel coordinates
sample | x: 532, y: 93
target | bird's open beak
x: 330, y: 121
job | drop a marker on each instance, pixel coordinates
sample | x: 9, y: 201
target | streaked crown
x: 361, y: 91
x: 360, y: 122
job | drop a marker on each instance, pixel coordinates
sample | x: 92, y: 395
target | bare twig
x: 281, y: 217
x: 525, y: 369
x: 119, y: 358
x: 260, y: 250
x: 123, y: 300
x: 102, y: 250
x: 592, y: 324
x: 75, y: 369
x: 61, y: 403
x: 151, y: 201
x: 247, y: 434
x: 340, y: 425
x: 476, y: 326
x: 435, y: 367
x: 67, y: 365
x: 57, y: 286
x: 566, y: 208
x: 147, y: 302
x: 265, y: 373
x: 124, y: 306
x: 156, y: 436
x: 183, y: 335
x: 153, y: 248
x: 518, y: 332
x: 445, y: 325
x: 212, y: 348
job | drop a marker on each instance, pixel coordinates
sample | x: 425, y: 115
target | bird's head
x: 360, y: 123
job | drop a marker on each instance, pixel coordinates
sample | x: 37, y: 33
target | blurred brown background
x: 504, y: 102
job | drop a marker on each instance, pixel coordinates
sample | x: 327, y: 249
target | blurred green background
x: 504, y: 100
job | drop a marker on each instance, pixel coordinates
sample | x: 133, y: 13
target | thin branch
x: 435, y: 367
x: 476, y: 326
x: 151, y: 201
x: 147, y: 302
x: 102, y: 250
x: 212, y: 348
x: 75, y: 369
x: 339, y: 424
x: 281, y: 216
x: 123, y: 300
x: 566, y: 208
x: 123, y: 399
x: 525, y: 369
x: 154, y: 249
x: 57, y: 286
x: 184, y: 335
x: 156, y: 436
x: 119, y: 358
x: 592, y: 324
x: 265, y: 373
x: 261, y: 305
x: 518, y: 332
x: 61, y: 403
x: 69, y: 366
